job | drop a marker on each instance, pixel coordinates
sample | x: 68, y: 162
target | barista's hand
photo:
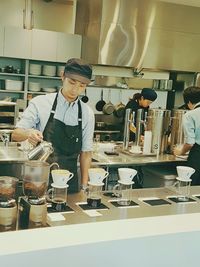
x: 35, y: 137
x: 177, y: 151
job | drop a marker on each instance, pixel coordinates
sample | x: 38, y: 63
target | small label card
x: 92, y: 213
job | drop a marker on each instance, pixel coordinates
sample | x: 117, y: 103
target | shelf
x: 45, y: 77
x: 11, y: 91
x: 12, y: 74
x: 36, y: 93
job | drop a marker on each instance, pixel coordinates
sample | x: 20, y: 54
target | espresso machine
x: 33, y: 206
x: 8, y: 206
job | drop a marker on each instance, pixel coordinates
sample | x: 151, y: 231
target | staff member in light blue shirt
x: 191, y: 126
x: 65, y: 121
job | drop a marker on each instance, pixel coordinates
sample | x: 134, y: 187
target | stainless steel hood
x: 139, y: 34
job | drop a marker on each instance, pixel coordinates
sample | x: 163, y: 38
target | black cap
x: 78, y: 70
x: 149, y: 94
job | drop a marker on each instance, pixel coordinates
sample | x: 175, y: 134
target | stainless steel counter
x: 141, y: 211
x: 136, y: 160
x: 12, y: 154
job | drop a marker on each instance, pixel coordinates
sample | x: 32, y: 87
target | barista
x: 140, y: 101
x: 191, y: 126
x: 65, y: 121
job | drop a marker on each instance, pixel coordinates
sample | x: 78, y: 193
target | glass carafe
x: 8, y: 207
x: 8, y: 187
x: 35, y: 179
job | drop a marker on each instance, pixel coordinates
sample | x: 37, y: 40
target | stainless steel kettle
x: 41, y: 152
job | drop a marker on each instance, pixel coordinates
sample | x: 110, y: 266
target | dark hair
x: 78, y: 69
x: 146, y: 93
x: 191, y: 94
x: 136, y: 96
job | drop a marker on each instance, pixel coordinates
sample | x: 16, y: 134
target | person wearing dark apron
x: 191, y: 125
x: 63, y: 120
x: 67, y: 143
x: 140, y: 101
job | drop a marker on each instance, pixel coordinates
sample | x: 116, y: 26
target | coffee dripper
x: 57, y: 195
x: 8, y: 207
x: 33, y: 207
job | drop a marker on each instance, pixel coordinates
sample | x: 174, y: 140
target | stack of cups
x: 123, y: 189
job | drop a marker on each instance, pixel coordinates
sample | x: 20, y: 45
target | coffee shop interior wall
x: 54, y: 16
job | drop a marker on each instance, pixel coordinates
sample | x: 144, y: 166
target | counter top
x: 12, y: 154
x: 144, y: 235
x: 134, y: 159
x: 141, y: 211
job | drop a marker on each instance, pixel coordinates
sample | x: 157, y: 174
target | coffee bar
x: 132, y: 187
x: 136, y: 204
x: 112, y: 212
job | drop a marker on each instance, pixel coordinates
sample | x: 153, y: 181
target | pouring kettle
x: 41, y: 152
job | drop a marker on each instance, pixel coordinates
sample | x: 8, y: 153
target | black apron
x: 67, y: 143
x: 194, y: 162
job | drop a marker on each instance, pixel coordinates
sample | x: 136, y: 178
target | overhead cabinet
x: 44, y: 45
x: 68, y: 46
x: 17, y: 43
x: 39, y: 44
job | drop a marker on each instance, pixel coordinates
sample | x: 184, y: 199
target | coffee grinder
x: 8, y: 207
x: 32, y: 206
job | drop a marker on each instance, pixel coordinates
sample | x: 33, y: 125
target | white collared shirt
x: 191, y: 126
x: 38, y: 111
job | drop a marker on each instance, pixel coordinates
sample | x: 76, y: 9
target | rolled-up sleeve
x: 29, y: 117
x: 189, y: 129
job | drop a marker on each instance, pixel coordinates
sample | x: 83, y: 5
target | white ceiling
x: 184, y: 2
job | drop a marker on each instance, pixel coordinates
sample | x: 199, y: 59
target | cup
x: 123, y: 192
x: 61, y: 176
x: 183, y: 189
x: 57, y: 194
x: 93, y: 193
x: 97, y: 175
x: 184, y: 172
x: 126, y: 174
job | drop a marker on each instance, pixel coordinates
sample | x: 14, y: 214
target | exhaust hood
x: 139, y: 34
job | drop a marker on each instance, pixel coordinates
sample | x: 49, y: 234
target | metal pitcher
x: 41, y: 152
